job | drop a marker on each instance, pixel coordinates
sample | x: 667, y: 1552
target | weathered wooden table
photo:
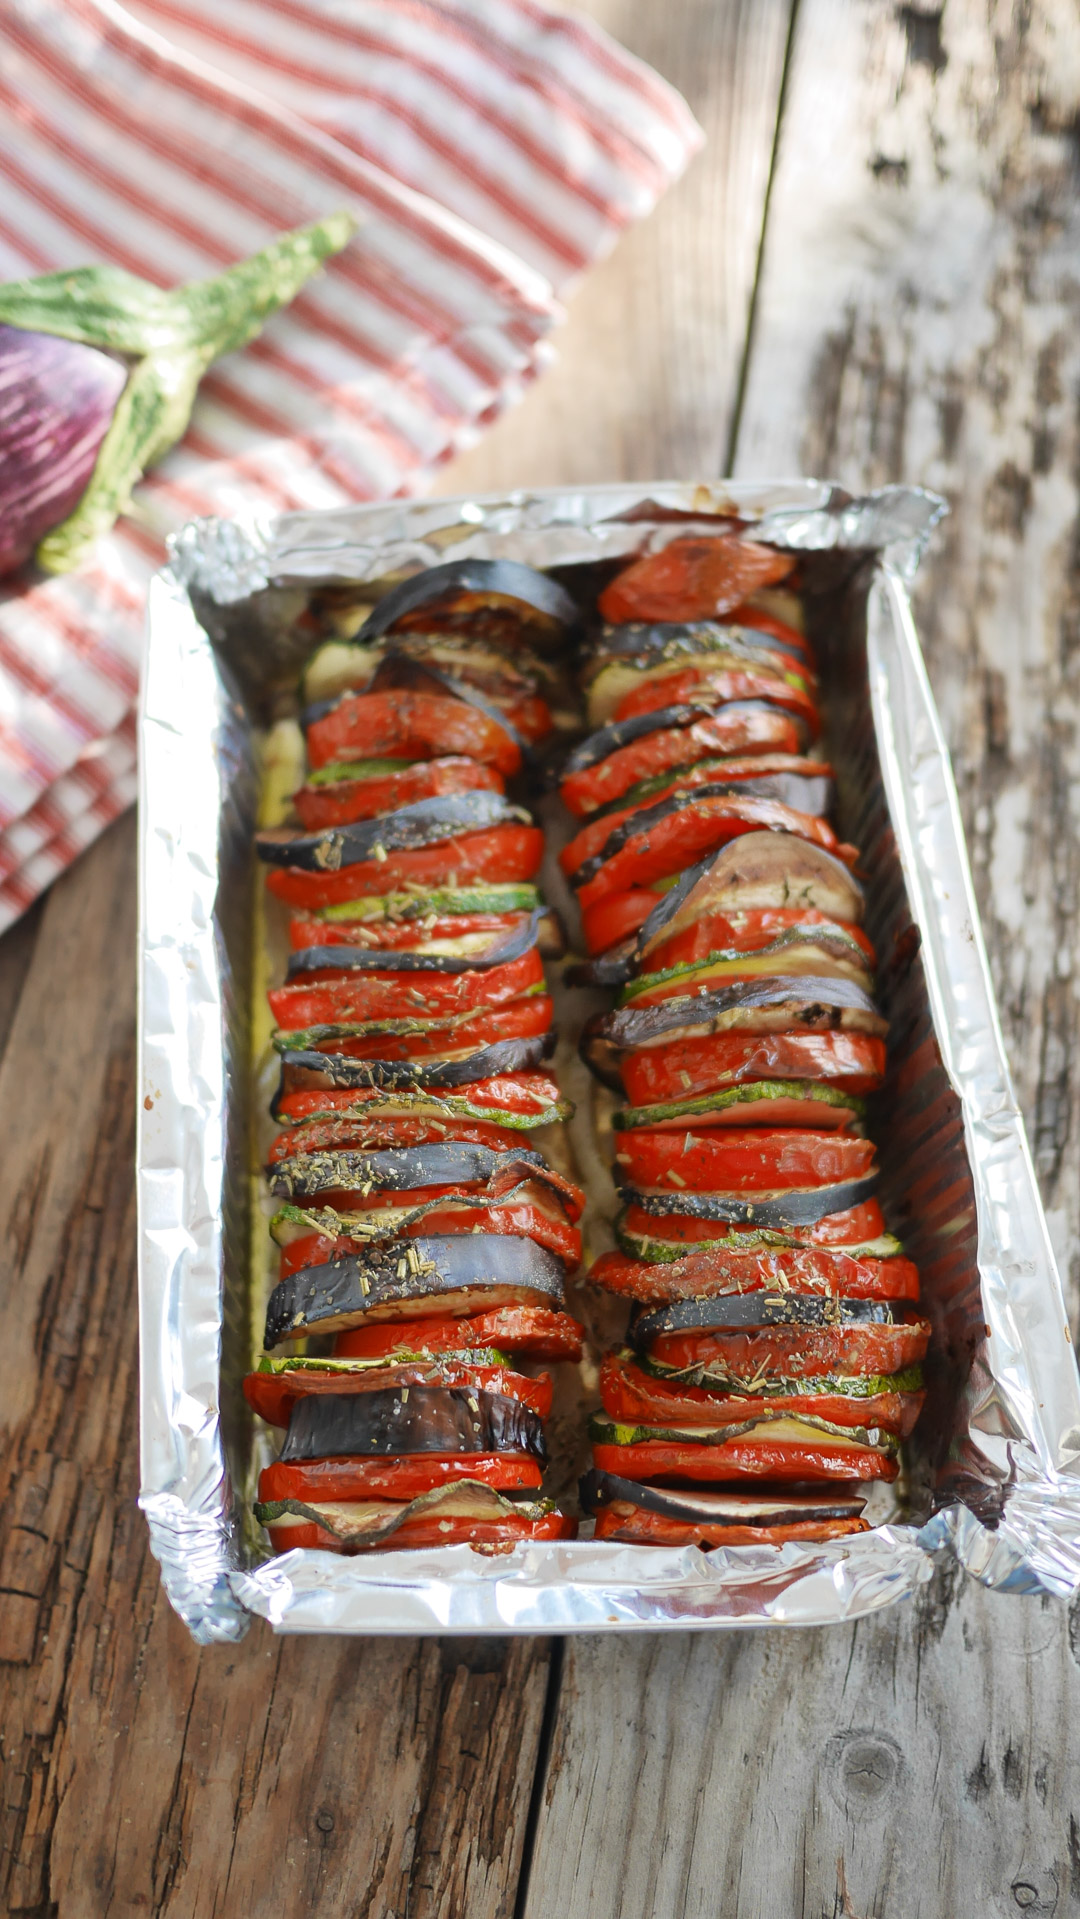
x: 872, y: 274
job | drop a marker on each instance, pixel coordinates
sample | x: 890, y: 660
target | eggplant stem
x: 151, y: 415
x: 172, y: 337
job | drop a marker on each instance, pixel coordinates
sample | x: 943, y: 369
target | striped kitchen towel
x: 490, y: 149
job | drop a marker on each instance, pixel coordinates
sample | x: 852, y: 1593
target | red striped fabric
x: 490, y: 149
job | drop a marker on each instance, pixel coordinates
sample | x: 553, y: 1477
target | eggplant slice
x: 803, y: 1208
x: 303, y: 1069
x: 671, y: 639
x: 417, y: 1419
x: 773, y: 1003
x: 756, y: 869
x: 618, y: 733
x: 716, y: 1508
x: 449, y: 1163
x: 502, y: 579
x: 424, y: 823
x: 804, y: 792
x: 645, y: 817
x: 739, y: 1312
x: 450, y: 1276
x: 453, y: 1163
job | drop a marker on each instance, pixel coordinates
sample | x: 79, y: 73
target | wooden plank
x: 140, y: 1773
x: 915, y: 320
x: 866, y: 1772
x: 649, y: 359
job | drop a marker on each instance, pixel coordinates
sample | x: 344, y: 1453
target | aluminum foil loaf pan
x: 992, y: 1474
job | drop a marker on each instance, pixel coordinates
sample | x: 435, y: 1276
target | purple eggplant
x: 56, y: 401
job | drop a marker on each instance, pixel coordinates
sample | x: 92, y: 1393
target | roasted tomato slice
x: 337, y: 802
x: 798, y: 1352
x: 376, y: 1132
x: 753, y: 814
x: 695, y: 578
x: 750, y: 1457
x: 402, y: 1478
x: 616, y: 916
x: 715, y: 685
x: 750, y: 727
x: 686, y: 834
x: 748, y: 931
x: 274, y: 1394
x: 636, y: 1398
x: 420, y: 726
x: 712, y: 1270
x: 524, y: 1094
x: 326, y: 997
x: 855, y: 1226
x: 519, y: 1218
x: 534, y: 1330
x: 521, y: 1019
x: 759, y: 1160
x: 499, y: 853
x: 404, y: 935
x: 687, y: 1069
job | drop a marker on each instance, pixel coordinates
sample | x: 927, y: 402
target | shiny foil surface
x: 993, y: 1466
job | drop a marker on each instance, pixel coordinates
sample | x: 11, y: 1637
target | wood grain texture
x: 915, y: 320
x: 650, y: 357
x: 887, y: 1771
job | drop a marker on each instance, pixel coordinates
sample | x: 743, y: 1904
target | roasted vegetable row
x: 773, y: 1360
x: 424, y: 1240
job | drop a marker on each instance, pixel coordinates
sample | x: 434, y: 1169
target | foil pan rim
x: 227, y: 560
x: 186, y: 1492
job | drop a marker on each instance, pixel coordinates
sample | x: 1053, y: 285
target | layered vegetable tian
x: 771, y: 1362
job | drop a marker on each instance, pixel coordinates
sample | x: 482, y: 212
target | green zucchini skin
x: 662, y: 1252
x: 831, y: 941
x: 777, y: 1386
x: 411, y: 1102
x: 445, y: 902
x: 750, y: 1092
x: 611, y: 1432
